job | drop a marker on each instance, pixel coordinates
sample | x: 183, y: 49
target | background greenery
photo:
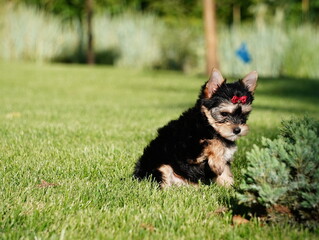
x: 281, y: 38
x: 83, y: 128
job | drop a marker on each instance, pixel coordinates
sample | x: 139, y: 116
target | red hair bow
x: 236, y: 99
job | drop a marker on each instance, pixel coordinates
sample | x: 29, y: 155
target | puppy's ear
x: 250, y: 81
x: 215, y: 81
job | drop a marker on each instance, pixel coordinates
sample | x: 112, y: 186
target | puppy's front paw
x: 217, y: 167
x: 225, y: 180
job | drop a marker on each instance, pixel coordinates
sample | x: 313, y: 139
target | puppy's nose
x: 236, y: 130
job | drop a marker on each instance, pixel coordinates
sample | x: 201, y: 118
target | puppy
x: 199, y: 145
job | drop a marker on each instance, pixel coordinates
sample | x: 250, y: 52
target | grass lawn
x: 83, y: 128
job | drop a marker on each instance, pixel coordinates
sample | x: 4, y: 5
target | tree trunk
x: 210, y: 35
x: 236, y: 14
x: 90, y: 58
x: 80, y: 32
x: 305, y: 10
x: 305, y: 6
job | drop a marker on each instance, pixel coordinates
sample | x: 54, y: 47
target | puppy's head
x: 227, y: 105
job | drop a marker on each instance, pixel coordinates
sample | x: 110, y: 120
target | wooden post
x: 210, y: 35
x: 90, y: 58
x: 236, y: 14
x: 305, y: 9
x: 305, y: 6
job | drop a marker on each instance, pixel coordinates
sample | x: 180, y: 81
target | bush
x: 282, y: 177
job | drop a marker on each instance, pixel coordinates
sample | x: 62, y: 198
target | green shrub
x: 282, y: 177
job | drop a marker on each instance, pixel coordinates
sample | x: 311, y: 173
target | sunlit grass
x: 83, y: 128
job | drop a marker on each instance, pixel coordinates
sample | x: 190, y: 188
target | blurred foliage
x: 165, y: 34
x: 178, y: 11
x: 147, y: 41
x: 67, y: 9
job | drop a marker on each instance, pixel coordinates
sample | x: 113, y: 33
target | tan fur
x: 216, y: 79
x: 214, y: 153
x: 250, y: 81
x: 231, y: 107
x: 246, y: 108
x: 225, y: 129
x: 226, y: 178
x: 217, y: 155
x: 208, y: 115
x: 171, y: 178
x: 227, y: 107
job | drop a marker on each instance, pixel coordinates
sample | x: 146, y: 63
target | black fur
x: 180, y: 141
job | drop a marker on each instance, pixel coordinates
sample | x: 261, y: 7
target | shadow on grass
x: 280, y: 109
x: 104, y: 57
x: 302, y: 89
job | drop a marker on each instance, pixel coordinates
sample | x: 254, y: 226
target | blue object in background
x: 243, y: 54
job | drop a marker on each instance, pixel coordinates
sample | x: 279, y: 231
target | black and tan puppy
x: 200, y: 144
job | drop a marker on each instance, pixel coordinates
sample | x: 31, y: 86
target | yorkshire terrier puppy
x: 199, y: 145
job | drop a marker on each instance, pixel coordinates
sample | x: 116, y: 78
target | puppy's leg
x: 169, y: 177
x: 217, y: 165
x: 216, y: 160
x: 213, y: 151
x: 226, y: 178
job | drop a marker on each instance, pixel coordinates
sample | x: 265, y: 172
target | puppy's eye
x: 224, y: 114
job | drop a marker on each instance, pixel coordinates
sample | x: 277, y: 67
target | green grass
x: 84, y: 127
